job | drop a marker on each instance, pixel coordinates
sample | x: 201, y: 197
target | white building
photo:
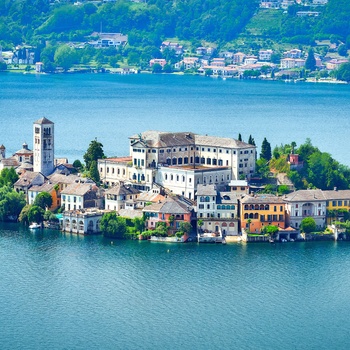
x: 217, y: 210
x: 43, y: 144
x: 82, y: 221
x: 306, y: 203
x: 189, y: 156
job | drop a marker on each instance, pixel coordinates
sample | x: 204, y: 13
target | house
x: 188, y: 63
x: 294, y: 53
x: 83, y: 222
x: 238, y: 57
x: 21, y: 160
x: 272, y: 4
x: 121, y: 196
x: 171, y: 211
x: 28, y: 179
x: 218, y: 62
x: 258, y: 211
x: 265, y: 55
x: 335, y: 63
x: 287, y: 63
x: 299, y: 62
x: 160, y: 61
x: 286, y: 3
x: 54, y: 184
x: 179, y: 50
x: 338, y: 205
x: 308, y: 13
x: 218, y: 210
x: 105, y: 40
x: 80, y: 196
x: 115, y: 169
x: 48, y: 187
x: 239, y: 187
x: 306, y: 203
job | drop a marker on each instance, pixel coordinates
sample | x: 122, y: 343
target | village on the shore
x: 180, y: 186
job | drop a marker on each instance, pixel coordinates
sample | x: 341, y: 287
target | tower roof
x: 2, y: 147
x: 43, y: 121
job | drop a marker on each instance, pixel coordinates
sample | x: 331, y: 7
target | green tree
x: 343, y: 73
x: 308, y: 225
x: 3, y: 66
x: 265, y: 150
x: 23, y: 216
x: 342, y: 50
x: 43, y: 200
x: 157, y: 68
x: 93, y: 153
x: 78, y: 165
x: 283, y: 189
x: 35, y: 214
x: 239, y: 137
x: 65, y: 57
x: 11, y: 203
x: 200, y: 223
x: 185, y: 227
x: 93, y: 172
x: 113, y: 226
x: 271, y: 230
x: 310, y: 62
x: 8, y: 177
x: 251, y: 140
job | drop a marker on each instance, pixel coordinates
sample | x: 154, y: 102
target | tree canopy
x: 308, y: 225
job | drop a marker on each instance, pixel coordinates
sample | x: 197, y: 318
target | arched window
x: 232, y: 207
x: 168, y: 161
x: 186, y: 160
x: 267, y: 207
x: 179, y: 161
x: 219, y: 206
x: 202, y: 199
x: 208, y: 161
x: 256, y: 216
x: 202, y: 160
x: 246, y: 215
x: 246, y: 207
x: 220, y: 162
x: 251, y: 216
x: 196, y: 160
x: 256, y: 206
x: 207, y: 199
x: 174, y: 161
x: 262, y: 207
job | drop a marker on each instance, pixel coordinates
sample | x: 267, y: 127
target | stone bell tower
x: 43, y: 146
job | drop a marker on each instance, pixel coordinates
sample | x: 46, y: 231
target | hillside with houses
x: 291, y: 39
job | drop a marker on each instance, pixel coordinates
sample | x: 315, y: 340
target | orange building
x: 262, y: 210
x: 170, y: 211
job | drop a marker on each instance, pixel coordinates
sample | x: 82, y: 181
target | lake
x: 67, y: 292
x: 61, y: 291
x: 113, y: 107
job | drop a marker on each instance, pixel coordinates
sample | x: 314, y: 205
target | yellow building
x: 262, y: 210
x: 338, y: 205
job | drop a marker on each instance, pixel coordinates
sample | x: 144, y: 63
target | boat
x: 34, y: 226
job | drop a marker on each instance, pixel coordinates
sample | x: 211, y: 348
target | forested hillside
x: 212, y: 20
x: 193, y: 20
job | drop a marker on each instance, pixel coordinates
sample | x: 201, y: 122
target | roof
x: 263, y: 198
x: 169, y: 206
x: 238, y: 183
x: 305, y: 196
x: 77, y: 189
x: 117, y: 159
x: 122, y: 190
x: 154, y: 138
x: 43, y: 121
x: 2, y: 146
x: 46, y: 187
x: 10, y: 162
x: 130, y: 213
x: 27, y: 177
x: 334, y: 194
x: 227, y: 198
x: 150, y: 197
x: 223, y: 142
x: 65, y: 179
x: 206, y: 190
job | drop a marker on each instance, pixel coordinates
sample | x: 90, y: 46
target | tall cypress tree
x: 310, y: 62
x: 265, y: 150
x: 239, y: 137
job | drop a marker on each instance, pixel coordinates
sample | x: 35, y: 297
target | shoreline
x: 119, y: 71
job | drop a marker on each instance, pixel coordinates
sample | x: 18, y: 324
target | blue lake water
x: 67, y: 292
x: 114, y: 107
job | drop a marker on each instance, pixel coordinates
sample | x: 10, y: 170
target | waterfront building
x: 171, y: 210
x: 43, y: 142
x: 82, y: 221
x: 338, y: 205
x: 258, y: 211
x: 48, y: 187
x: 121, y: 196
x: 306, y: 203
x: 80, y: 196
x: 218, y: 210
x: 27, y: 179
x: 179, y: 161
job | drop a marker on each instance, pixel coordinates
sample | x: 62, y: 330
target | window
x: 208, y: 149
x: 201, y: 206
x: 340, y: 203
x: 208, y: 206
x: 274, y: 208
x: 208, y: 161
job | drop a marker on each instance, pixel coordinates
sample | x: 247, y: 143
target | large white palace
x: 179, y: 162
